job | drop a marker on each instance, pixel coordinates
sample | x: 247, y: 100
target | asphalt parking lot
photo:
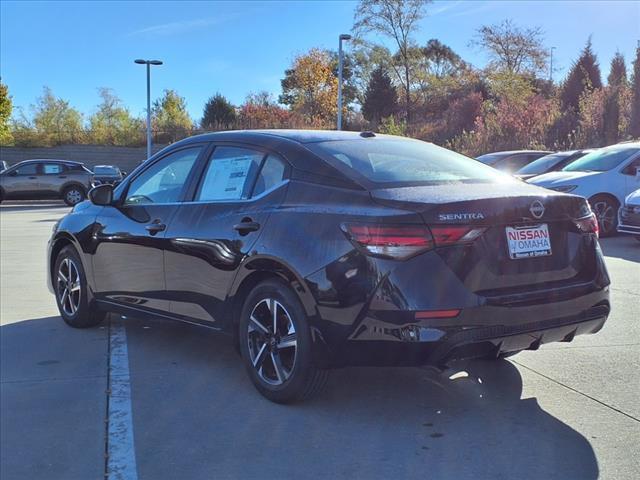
x: 567, y: 411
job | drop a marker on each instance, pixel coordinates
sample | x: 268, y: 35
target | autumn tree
x: 6, y: 138
x: 397, y: 20
x: 218, y: 113
x: 511, y: 48
x: 170, y: 118
x: 55, y: 121
x: 260, y: 110
x: 583, y: 77
x: 310, y: 88
x: 112, y: 124
x: 634, y: 127
x: 366, y: 59
x: 380, y: 98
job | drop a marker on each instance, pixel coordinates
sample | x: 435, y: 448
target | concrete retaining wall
x: 127, y: 158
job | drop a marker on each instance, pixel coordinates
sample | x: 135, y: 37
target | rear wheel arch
x: 270, y: 269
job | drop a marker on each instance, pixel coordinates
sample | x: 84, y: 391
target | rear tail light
x: 404, y: 241
x: 588, y: 224
x: 390, y: 241
x: 437, y: 314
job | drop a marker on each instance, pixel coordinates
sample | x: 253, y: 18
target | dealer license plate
x: 528, y: 242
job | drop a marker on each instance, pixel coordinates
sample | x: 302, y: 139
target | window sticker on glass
x: 225, y: 179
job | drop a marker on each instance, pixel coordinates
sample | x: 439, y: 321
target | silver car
x: 42, y: 179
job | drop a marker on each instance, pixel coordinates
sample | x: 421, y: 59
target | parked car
x: 318, y: 249
x: 106, y: 174
x: 629, y: 215
x: 511, y: 161
x: 43, y: 179
x: 3, y: 165
x: 605, y: 177
x: 550, y: 163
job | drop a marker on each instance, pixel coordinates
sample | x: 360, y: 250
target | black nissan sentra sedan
x: 318, y: 249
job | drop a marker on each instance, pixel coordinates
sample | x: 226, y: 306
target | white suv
x: 605, y: 177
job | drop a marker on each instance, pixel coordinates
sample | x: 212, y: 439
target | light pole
x: 342, y: 37
x: 148, y: 63
x: 551, y: 65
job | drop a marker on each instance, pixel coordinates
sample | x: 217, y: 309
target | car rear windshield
x: 391, y: 161
x: 601, y: 160
x: 543, y: 164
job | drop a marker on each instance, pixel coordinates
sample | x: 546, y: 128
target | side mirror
x: 101, y: 195
x: 13, y: 173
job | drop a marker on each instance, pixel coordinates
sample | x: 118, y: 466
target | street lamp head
x: 148, y: 62
x: 345, y: 36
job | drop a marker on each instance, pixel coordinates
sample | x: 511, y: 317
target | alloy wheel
x: 272, y: 341
x: 74, y: 196
x: 606, y: 215
x: 68, y: 286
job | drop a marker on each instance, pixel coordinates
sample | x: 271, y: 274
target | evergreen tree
x: 584, y: 76
x: 635, y: 105
x: 618, y: 72
x: 380, y: 98
x: 617, y: 79
x: 218, y: 113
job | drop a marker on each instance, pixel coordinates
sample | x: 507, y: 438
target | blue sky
x: 239, y: 47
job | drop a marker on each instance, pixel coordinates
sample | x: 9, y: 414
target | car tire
x: 605, y: 208
x: 70, y: 287
x: 73, y: 195
x: 278, y: 360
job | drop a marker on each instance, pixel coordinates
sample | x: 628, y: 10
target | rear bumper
x: 481, y: 332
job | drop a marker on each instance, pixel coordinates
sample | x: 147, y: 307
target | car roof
x: 514, y: 152
x: 49, y: 160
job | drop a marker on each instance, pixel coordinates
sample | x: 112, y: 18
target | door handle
x: 62, y: 176
x: 246, y: 226
x: 33, y: 178
x: 155, y: 227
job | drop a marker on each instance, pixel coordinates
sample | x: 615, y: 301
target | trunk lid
x: 485, y: 266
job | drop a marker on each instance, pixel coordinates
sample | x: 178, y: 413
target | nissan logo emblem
x: 537, y: 209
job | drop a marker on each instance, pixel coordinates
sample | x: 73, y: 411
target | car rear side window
x: 402, y: 161
x: 52, y: 168
x: 229, y: 174
x: 164, y: 181
x: 272, y: 174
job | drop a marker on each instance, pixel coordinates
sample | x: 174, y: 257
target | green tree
x: 617, y: 81
x: 112, y: 124
x: 6, y: 106
x: 634, y: 124
x: 618, y: 71
x: 398, y: 20
x: 380, y: 98
x: 218, y: 113
x: 583, y: 77
x: 170, y: 118
x: 441, y: 58
x: 55, y: 120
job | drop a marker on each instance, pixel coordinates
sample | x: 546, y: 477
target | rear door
x: 211, y: 235
x: 52, y: 177
x: 129, y: 238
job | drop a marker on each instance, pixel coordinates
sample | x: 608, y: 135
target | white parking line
x: 121, y: 461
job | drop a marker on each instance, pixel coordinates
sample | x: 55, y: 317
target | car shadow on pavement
x: 196, y: 415
x: 26, y: 207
